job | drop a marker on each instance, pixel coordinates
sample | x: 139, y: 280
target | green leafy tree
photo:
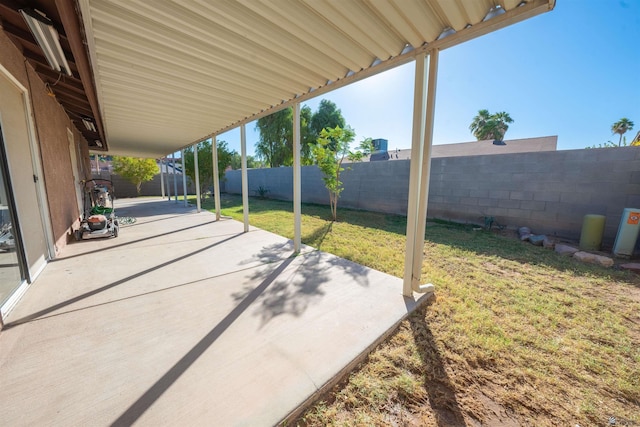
x: 135, y: 170
x: 275, y: 145
x: 490, y: 126
x: 205, y: 163
x: 621, y: 127
x: 236, y: 161
x: 307, y: 136
x: 331, y: 149
x: 225, y: 157
x: 328, y: 116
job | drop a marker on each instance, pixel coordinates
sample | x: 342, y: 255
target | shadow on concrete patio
x: 140, y: 406
x: 190, y: 321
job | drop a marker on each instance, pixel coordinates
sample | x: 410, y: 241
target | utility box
x: 627, y: 233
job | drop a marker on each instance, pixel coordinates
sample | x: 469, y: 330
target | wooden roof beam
x: 73, y: 32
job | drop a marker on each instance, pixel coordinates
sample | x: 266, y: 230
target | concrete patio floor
x: 184, y: 320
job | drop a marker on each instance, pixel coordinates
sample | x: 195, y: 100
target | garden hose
x: 100, y: 210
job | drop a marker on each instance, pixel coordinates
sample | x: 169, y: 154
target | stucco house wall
x: 51, y: 124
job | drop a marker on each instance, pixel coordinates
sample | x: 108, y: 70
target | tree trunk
x: 333, y: 202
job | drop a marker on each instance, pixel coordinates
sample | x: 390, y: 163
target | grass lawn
x: 516, y: 334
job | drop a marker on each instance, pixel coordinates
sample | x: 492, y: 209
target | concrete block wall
x: 375, y: 186
x: 550, y: 192
x: 124, y: 188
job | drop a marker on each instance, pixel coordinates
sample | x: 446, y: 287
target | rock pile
x: 525, y: 234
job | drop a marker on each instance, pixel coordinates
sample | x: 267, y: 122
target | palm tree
x: 478, y: 126
x: 621, y: 127
x: 501, y: 122
x: 490, y: 126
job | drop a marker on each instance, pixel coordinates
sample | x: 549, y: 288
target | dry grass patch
x: 516, y: 335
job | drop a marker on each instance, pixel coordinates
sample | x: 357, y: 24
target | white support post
x: 415, y: 168
x: 297, y: 227
x: 175, y: 178
x: 422, y: 139
x: 426, y: 174
x: 168, y: 183
x: 245, y: 182
x: 184, y: 180
x: 197, y: 174
x: 162, y: 177
x: 216, y: 178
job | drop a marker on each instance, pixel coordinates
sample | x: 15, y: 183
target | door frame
x: 41, y: 199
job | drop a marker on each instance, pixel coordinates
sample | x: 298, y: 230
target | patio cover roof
x: 169, y: 74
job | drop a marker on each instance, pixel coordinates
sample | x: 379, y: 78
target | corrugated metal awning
x: 171, y: 73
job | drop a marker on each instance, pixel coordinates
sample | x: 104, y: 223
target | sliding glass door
x: 11, y: 265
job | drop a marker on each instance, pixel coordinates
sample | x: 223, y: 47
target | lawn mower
x: 99, y: 217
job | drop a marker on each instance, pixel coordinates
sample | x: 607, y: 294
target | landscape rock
x: 524, y: 233
x: 566, y: 250
x: 593, y: 259
x: 537, y: 240
x: 548, y: 243
x: 633, y: 266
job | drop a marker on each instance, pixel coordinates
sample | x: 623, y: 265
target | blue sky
x: 571, y: 72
